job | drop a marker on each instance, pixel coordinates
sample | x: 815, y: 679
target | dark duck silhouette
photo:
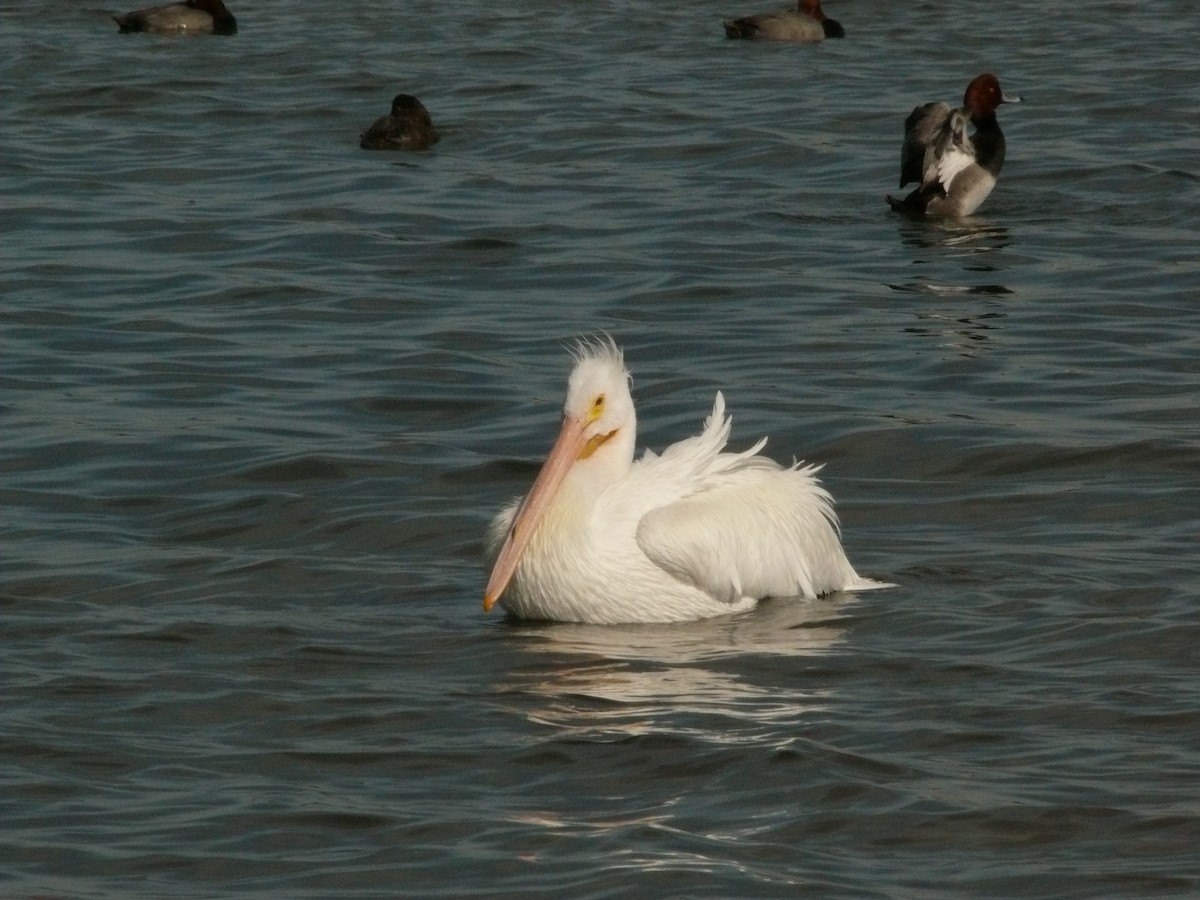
x: 407, y: 127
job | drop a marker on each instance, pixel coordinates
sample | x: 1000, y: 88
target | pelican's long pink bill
x: 567, y: 448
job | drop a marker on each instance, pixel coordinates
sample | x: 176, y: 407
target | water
x: 262, y: 392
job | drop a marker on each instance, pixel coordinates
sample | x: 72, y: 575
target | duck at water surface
x: 696, y: 532
x: 191, y: 17
x: 955, y: 171
x: 407, y: 127
x: 807, y: 22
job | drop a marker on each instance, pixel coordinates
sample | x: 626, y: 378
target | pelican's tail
x: 867, y: 584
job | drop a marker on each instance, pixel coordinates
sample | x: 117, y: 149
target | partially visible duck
x: 807, y: 22
x: 956, y: 171
x: 190, y: 17
x: 407, y: 127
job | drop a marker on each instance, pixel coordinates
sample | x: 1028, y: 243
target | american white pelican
x: 687, y: 535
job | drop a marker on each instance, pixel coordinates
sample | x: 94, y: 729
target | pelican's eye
x: 597, y: 409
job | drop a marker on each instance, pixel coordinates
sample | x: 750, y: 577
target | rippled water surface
x: 262, y: 391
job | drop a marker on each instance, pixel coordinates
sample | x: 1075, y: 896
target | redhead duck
x: 956, y: 171
x: 806, y: 23
x: 408, y: 127
x: 191, y: 17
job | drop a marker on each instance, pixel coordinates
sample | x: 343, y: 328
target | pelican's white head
x: 594, y: 447
x: 598, y: 397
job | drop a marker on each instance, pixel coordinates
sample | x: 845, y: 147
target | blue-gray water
x: 261, y: 391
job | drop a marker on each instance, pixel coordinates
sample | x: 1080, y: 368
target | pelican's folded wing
x: 761, y: 532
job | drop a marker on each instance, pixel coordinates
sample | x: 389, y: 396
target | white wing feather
x: 951, y: 151
x: 742, y: 525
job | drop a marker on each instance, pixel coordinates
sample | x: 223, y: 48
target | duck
x: 955, y: 170
x: 407, y: 127
x: 190, y: 17
x: 807, y: 22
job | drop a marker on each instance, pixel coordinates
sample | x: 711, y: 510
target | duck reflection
x: 967, y: 243
x: 703, y: 679
x: 964, y: 327
x: 966, y: 235
x: 967, y: 335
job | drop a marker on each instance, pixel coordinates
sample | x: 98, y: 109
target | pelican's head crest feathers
x: 599, y: 375
x: 600, y: 347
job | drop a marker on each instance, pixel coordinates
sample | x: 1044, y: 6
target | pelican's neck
x: 591, y: 477
x: 567, y: 528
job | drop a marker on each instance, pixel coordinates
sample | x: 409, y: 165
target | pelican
x: 691, y: 534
